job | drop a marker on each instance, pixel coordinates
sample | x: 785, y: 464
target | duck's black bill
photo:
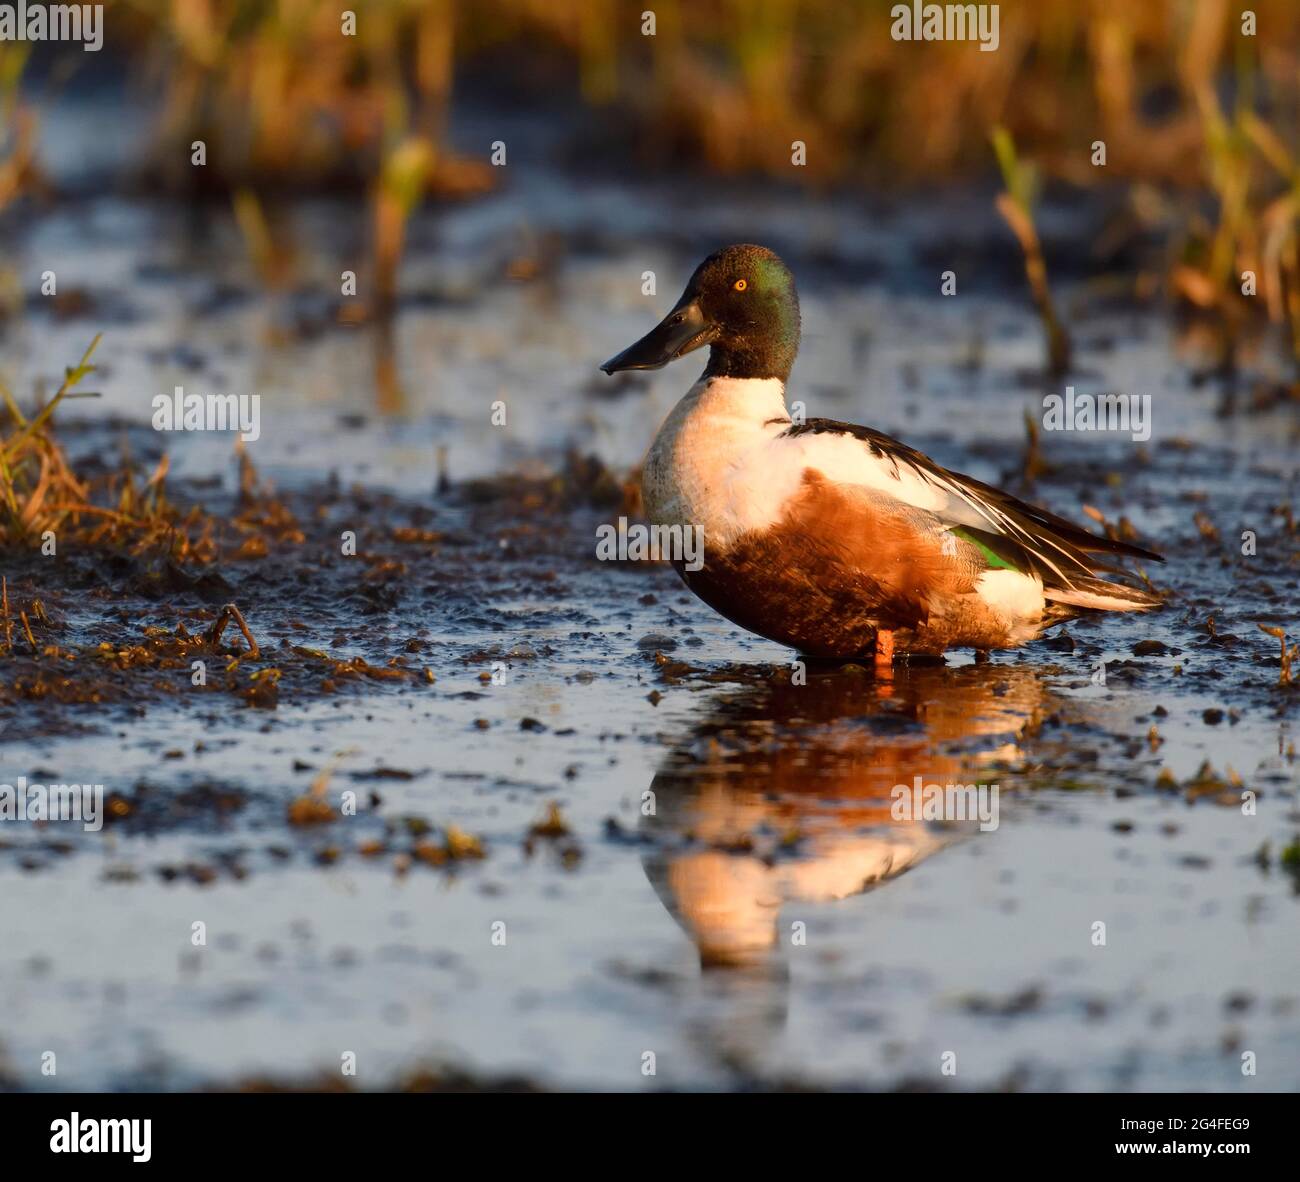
x: 683, y: 329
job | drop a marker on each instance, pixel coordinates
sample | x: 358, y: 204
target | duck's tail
x: 1099, y: 595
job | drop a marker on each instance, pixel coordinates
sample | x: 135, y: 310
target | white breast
x: 700, y: 470
x: 721, y: 462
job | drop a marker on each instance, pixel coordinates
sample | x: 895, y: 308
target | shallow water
x: 673, y: 934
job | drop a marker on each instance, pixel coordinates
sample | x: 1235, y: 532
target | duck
x: 834, y: 539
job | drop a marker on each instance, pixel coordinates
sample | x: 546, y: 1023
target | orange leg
x: 884, y: 650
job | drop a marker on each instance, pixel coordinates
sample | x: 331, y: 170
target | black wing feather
x: 1049, y: 541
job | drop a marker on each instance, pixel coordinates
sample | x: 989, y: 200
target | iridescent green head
x: 742, y: 303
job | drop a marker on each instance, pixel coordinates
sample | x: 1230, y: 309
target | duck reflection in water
x: 785, y: 794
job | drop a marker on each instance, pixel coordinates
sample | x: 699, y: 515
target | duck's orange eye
x: 740, y: 284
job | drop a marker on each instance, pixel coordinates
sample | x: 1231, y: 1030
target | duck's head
x: 742, y: 303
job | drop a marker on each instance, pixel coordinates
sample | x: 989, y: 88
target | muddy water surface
x: 771, y: 923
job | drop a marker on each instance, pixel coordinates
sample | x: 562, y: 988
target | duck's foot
x: 884, y: 650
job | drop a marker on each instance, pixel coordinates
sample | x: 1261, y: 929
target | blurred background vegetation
x: 281, y: 95
x: 1184, y: 100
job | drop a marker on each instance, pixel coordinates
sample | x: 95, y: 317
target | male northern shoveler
x: 832, y: 538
